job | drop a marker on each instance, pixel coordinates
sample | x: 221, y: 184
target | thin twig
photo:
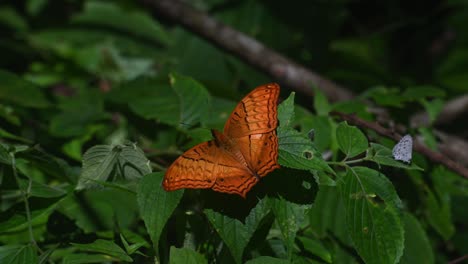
x: 25, y: 196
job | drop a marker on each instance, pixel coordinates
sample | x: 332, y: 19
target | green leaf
x: 108, y: 14
x: 374, y: 227
x: 316, y: 247
x: 38, y: 189
x: 11, y: 18
x: 286, y: 111
x: 290, y: 218
x: 415, y: 93
x: 351, y: 140
x: 321, y: 105
x: 156, y: 205
x: 132, y: 248
x: 267, y: 260
x: 383, y: 156
x: 438, y: 202
x: 235, y: 234
x: 18, y: 254
x: 323, y: 131
x: 78, y: 115
x: 18, y: 91
x: 103, y: 161
x: 322, y: 219
x: 186, y: 256
x: 322, y: 178
x: 386, y: 96
x: 194, y: 99
x: 87, y: 258
x: 5, y: 157
x: 105, y: 247
x: 433, y: 108
x: 450, y: 73
x: 45, y: 162
x: 19, y: 222
x: 418, y: 249
x: 298, y: 152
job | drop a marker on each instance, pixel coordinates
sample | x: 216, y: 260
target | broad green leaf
x: 105, y: 247
x: 37, y: 189
x: 5, y: 157
x: 322, y: 219
x: 450, y: 72
x: 98, y: 164
x: 321, y: 105
x: 438, y: 202
x: 322, y: 131
x: 418, y: 249
x: 375, y: 227
x: 386, y: 96
x: 233, y: 232
x: 321, y: 178
x: 78, y: 114
x: 19, y: 222
x: 77, y: 258
x: 194, y: 99
x: 383, y: 156
x: 155, y: 204
x: 8, y: 135
x: 18, y: 254
x: 286, y: 111
x: 132, y: 248
x: 45, y: 162
x: 110, y: 205
x: 290, y: 218
x: 415, y: 93
x: 298, y: 152
x: 103, y: 161
x: 267, y: 260
x: 11, y: 18
x: 110, y: 15
x: 186, y: 256
x: 433, y: 107
x: 350, y: 140
x: 18, y: 91
x: 315, y: 247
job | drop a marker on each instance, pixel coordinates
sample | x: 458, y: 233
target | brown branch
x: 430, y: 154
x: 268, y: 61
x: 249, y: 50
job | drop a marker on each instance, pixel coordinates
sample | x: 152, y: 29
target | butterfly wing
x: 255, y: 114
x: 252, y: 126
x: 208, y: 165
x: 403, y: 149
x: 234, y: 161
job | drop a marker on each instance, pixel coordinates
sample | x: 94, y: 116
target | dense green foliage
x: 97, y: 98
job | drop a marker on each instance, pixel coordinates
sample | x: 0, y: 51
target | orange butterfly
x: 234, y: 160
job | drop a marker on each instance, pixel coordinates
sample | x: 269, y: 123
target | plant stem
x: 25, y: 195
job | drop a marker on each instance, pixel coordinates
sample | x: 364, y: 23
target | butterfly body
x: 235, y: 160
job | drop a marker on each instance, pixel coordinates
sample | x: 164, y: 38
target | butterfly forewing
x: 255, y: 114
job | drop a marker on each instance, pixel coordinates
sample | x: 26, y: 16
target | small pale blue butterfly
x: 403, y: 149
